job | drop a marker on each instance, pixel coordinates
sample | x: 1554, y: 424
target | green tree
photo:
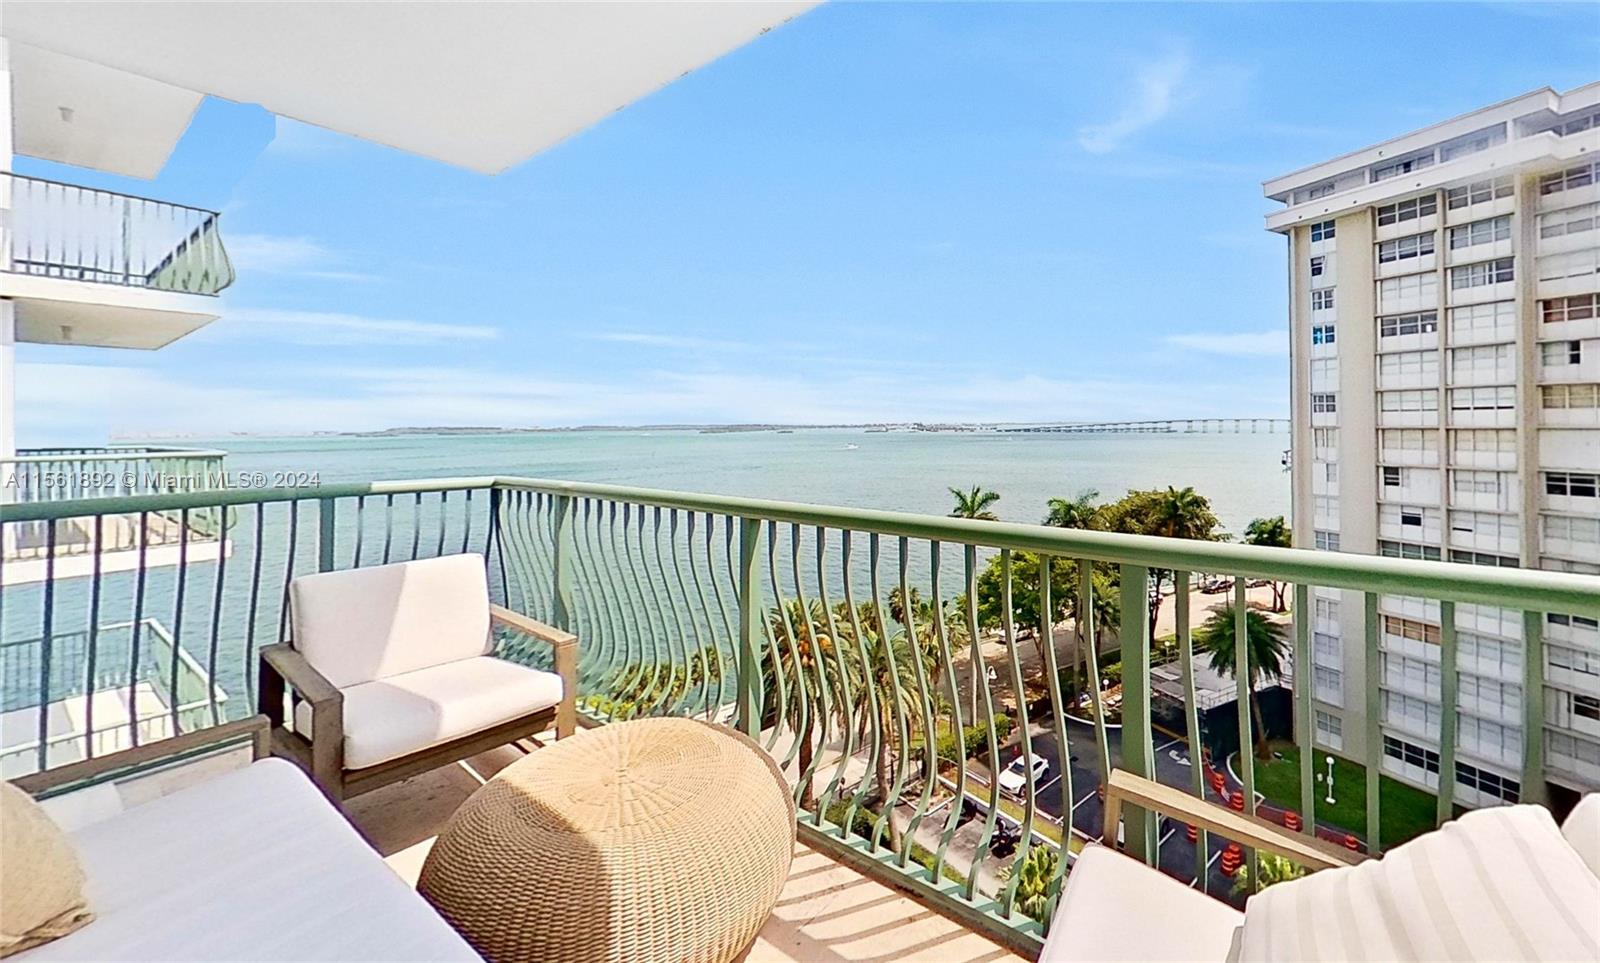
x: 1081, y: 512
x: 803, y: 661
x: 1035, y: 873
x: 1274, y: 869
x: 1273, y: 532
x: 1169, y: 513
x: 1267, y: 646
x: 975, y: 503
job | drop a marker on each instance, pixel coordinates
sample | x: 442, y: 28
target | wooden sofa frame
x: 1253, y: 831
x: 322, y: 754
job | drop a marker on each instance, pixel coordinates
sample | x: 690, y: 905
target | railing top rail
x: 1525, y: 589
x: 101, y: 190
x: 26, y: 456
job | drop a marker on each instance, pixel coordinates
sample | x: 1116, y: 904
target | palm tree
x: 807, y: 660
x: 1267, y: 645
x: 1174, y: 513
x: 1273, y: 532
x: 975, y: 504
x: 1080, y: 512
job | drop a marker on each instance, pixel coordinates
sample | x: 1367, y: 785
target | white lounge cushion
x: 401, y: 714
x: 370, y: 623
x: 1582, y: 830
x: 1117, y: 908
x: 250, y: 865
x: 1496, y: 884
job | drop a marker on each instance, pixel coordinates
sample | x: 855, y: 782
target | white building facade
x: 1445, y: 331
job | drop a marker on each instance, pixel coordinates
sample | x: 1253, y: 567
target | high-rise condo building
x: 1444, y: 307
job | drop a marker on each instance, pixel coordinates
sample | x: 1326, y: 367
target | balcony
x: 109, y: 542
x: 94, y: 267
x: 786, y: 620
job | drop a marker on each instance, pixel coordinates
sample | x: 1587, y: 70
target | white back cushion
x: 370, y: 623
x: 1582, y: 830
x: 1496, y: 884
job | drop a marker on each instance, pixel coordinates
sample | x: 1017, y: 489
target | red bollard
x: 1291, y: 819
x: 1193, y: 833
x: 1236, y: 801
x: 1352, y: 843
x: 1232, y: 859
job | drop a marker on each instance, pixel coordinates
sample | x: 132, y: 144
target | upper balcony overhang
x: 482, y: 86
x: 93, y: 267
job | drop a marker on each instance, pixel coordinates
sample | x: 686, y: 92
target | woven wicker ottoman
x: 652, y: 840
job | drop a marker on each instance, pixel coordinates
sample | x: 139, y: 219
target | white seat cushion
x: 399, y: 715
x: 370, y: 623
x: 1117, y: 908
x: 1582, y: 830
x: 251, y: 865
x: 1496, y: 884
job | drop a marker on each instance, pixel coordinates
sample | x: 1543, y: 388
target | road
x: 1172, y: 768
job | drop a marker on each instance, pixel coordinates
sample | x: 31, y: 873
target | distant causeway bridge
x: 1166, y: 426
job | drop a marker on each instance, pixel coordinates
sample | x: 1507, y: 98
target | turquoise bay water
x: 904, y: 471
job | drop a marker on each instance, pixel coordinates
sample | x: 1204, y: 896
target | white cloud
x: 1155, y: 91
x: 298, y: 256
x: 331, y: 328
x: 1272, y: 343
x: 686, y: 342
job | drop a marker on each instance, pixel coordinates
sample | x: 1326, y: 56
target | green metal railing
x: 840, y: 638
x: 85, y: 234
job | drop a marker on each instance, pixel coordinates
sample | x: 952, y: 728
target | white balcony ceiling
x: 480, y: 85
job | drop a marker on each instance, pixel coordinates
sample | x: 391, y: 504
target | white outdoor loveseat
x: 1497, y: 884
x: 251, y: 864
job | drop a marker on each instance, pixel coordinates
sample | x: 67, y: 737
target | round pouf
x: 636, y: 842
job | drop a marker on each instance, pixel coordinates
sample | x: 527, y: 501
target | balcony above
x: 98, y: 268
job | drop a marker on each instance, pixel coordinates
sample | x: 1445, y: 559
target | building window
x: 1410, y: 629
x: 1486, y: 524
x: 1322, y: 333
x: 1573, y: 220
x: 1478, y: 192
x: 1572, y: 484
x: 1322, y: 231
x: 1412, y: 550
x: 1391, y: 477
x: 1586, y: 706
x: 1330, y: 731
x: 1570, y: 396
x: 1326, y: 541
x: 1481, y: 232
x: 1497, y: 440
x: 1496, y: 398
x: 1324, y: 403
x: 1322, y: 299
x: 1478, y: 275
x: 1417, y: 323
x: 1411, y: 755
x: 1494, y: 320
x: 1572, y: 529
x: 1404, y: 248
x: 1490, y: 739
x: 1405, y: 165
x: 1327, y: 609
x: 1570, y: 179
x: 1557, y: 353
x: 1328, y: 683
x: 1572, y: 264
x: 1488, y: 783
x: 1571, y: 747
x: 1580, y: 661
x: 1407, y: 210
x: 1421, y: 364
x: 1488, y: 559
x: 1576, y: 308
x: 1425, y: 286
x: 1419, y: 400
x: 1325, y: 437
x: 1318, y: 265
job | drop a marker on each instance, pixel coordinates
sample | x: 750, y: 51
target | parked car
x: 1014, y: 779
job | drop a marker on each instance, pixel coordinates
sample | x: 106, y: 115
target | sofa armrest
x: 1253, y: 831
x: 282, y: 666
x: 565, y: 645
x: 252, y: 731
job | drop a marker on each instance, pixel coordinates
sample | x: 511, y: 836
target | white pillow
x: 1496, y: 884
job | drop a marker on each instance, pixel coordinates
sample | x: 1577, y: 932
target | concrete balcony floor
x: 828, y: 913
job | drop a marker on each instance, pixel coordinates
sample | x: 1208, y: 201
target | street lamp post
x: 1329, y: 800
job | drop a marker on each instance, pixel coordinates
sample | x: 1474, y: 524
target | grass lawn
x: 1404, y: 811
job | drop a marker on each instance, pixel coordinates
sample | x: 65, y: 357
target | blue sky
x: 878, y: 212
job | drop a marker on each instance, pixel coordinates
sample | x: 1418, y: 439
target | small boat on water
x: 851, y: 447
